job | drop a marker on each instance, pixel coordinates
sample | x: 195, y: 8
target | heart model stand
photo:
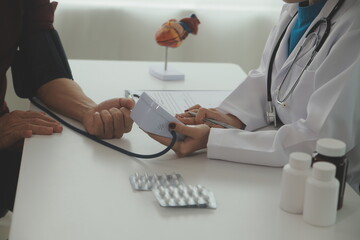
x: 165, y: 72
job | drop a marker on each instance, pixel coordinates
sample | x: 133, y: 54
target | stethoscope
x: 271, y: 112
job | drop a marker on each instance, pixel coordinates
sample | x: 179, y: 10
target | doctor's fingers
x: 193, y: 108
x: 186, y: 120
x: 191, y: 116
x: 185, y: 114
x: 204, y: 113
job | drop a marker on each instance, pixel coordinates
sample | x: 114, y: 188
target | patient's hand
x: 17, y: 125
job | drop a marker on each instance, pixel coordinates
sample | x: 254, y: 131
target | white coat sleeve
x: 333, y: 111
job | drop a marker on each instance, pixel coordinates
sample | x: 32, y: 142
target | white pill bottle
x: 321, y: 195
x: 293, y: 182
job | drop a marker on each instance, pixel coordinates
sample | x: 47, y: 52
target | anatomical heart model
x: 171, y: 34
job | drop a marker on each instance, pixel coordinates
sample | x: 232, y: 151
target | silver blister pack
x: 184, y: 196
x: 146, y: 182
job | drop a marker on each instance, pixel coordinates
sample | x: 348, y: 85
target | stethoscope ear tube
x: 327, y: 23
x: 102, y: 142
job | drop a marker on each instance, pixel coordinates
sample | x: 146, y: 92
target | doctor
x: 309, y: 76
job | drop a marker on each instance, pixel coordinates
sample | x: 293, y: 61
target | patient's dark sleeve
x: 40, y: 57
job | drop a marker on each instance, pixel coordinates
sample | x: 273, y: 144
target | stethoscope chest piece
x: 271, y: 114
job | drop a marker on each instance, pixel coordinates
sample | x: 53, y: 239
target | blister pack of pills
x: 146, y: 182
x: 184, y: 196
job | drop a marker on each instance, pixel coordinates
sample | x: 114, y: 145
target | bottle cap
x: 300, y: 160
x: 324, y: 171
x: 331, y: 147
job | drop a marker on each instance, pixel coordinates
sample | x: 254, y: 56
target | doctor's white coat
x: 325, y: 103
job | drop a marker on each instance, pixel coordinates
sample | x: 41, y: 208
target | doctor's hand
x: 196, y: 138
x: 110, y: 119
x: 212, y: 113
x: 17, y: 125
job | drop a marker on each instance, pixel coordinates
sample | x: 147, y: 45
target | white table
x: 73, y: 188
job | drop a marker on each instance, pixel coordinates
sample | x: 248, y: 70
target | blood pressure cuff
x: 40, y: 59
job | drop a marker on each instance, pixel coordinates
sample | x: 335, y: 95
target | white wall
x: 122, y: 32
x: 125, y: 30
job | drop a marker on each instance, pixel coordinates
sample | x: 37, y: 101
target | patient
x: 31, y: 46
